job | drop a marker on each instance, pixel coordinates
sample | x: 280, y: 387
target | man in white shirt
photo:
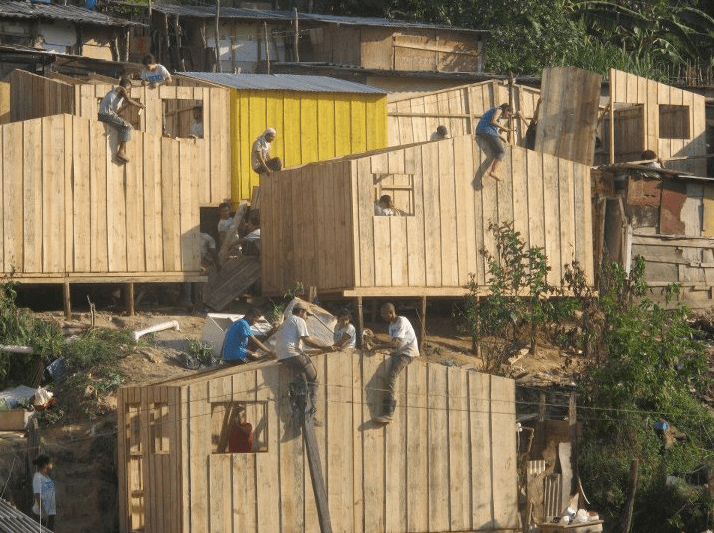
x: 403, y: 343
x: 289, y: 349
x: 260, y: 159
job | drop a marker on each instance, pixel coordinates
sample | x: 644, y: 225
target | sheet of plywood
x: 568, y: 114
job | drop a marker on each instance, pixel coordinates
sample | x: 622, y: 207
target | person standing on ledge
x: 154, y: 74
x: 260, y: 158
x: 488, y: 131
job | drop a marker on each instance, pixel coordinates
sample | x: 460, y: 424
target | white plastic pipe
x: 15, y: 349
x: 172, y: 324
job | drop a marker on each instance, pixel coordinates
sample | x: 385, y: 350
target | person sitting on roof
x: 260, y: 158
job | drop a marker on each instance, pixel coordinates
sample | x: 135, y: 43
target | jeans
x: 397, y: 363
x: 302, y: 365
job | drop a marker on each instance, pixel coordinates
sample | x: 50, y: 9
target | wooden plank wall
x: 568, y: 115
x: 4, y: 102
x: 149, y: 441
x: 83, y: 100
x: 76, y: 212
x: 415, y: 118
x: 630, y: 89
x: 446, y: 463
x: 311, y: 126
x: 547, y: 198
x: 35, y: 96
x: 308, y: 215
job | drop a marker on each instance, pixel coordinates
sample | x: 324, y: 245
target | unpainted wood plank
x: 447, y: 207
x: 583, y: 221
x: 267, y: 466
x: 134, y: 176
x: 552, y: 217
x: 374, y: 370
x: 417, y: 446
x: 123, y: 498
x: 116, y: 214
x: 480, y: 223
x: 67, y: 262
x: 99, y: 161
x: 664, y: 150
x: 170, y: 201
x: 416, y: 267
x: 152, y: 202
x: 80, y: 189
x: 432, y: 216
x: 567, y: 212
x: 503, y: 446
x: 312, y: 522
x: 519, y: 173
x: 241, y: 514
x: 396, y: 466
x: 366, y: 224
x: 489, y: 199
x: 536, y: 211
x: 382, y: 251
x: 198, y: 453
x: 708, y: 211
x: 30, y: 169
x: 465, y: 227
x: 459, y: 450
x: 292, y: 467
x: 343, y: 225
x: 144, y: 433
x: 481, y: 471
x: 318, y: 219
x: 153, y: 482
x: 53, y: 198
x: 189, y: 214
x: 439, y: 478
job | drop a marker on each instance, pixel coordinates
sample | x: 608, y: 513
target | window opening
x: 239, y: 427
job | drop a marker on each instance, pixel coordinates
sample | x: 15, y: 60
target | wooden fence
x: 447, y: 462
x: 167, y: 112
x: 70, y: 212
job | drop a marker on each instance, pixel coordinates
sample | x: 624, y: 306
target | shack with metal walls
x: 316, y: 118
x: 447, y: 462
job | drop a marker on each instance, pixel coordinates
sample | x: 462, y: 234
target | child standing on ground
x: 43, y: 489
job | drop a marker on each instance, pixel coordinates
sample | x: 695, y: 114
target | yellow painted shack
x: 316, y: 118
x: 447, y: 462
x: 72, y: 214
x: 318, y: 222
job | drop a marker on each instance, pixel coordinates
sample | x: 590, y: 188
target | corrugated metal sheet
x: 286, y: 16
x: 35, y: 10
x: 13, y: 521
x: 284, y: 82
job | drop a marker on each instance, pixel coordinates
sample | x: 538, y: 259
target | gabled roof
x: 20, y: 9
x: 284, y: 82
x: 287, y: 16
x: 13, y: 521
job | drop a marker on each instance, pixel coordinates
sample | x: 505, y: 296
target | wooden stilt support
x: 130, y: 299
x: 360, y: 320
x: 422, y: 323
x: 67, y: 301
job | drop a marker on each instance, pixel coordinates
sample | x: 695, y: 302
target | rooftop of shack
x: 19, y: 9
x: 240, y: 13
x: 284, y: 82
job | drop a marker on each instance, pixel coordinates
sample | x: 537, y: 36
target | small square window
x: 400, y: 190
x: 239, y: 427
x: 674, y: 122
x: 183, y: 118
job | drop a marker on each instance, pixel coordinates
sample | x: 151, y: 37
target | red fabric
x: 240, y: 439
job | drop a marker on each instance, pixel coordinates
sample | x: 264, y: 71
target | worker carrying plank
x: 488, y: 133
x: 403, y: 342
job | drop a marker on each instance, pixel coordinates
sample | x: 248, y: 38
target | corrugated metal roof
x: 38, y: 10
x: 286, y: 16
x: 284, y: 82
x: 12, y: 520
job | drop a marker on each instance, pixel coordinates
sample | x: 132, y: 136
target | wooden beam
x: 129, y: 288
x: 422, y: 323
x: 67, y: 300
x: 360, y: 320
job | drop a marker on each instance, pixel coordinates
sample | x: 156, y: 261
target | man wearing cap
x: 288, y: 348
x: 260, y: 158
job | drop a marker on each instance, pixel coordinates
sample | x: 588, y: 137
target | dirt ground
x: 84, y: 450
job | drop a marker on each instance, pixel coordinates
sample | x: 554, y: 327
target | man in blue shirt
x: 235, y: 344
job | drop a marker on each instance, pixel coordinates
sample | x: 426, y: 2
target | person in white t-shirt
x: 154, y: 74
x: 43, y: 488
x: 260, y: 159
x: 289, y: 349
x: 385, y: 207
x: 344, y: 335
x: 403, y: 343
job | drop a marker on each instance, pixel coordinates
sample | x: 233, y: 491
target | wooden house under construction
x: 447, y: 462
x: 71, y: 213
x: 319, y: 225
